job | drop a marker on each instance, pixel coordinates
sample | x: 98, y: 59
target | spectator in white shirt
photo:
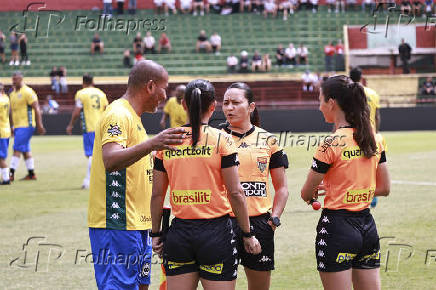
x: 149, y: 43
x: 270, y: 8
x: 232, y: 63
x: 290, y: 54
x: 302, y: 53
x: 309, y: 80
x: 215, y: 42
x: 314, y: 4
x: 186, y: 6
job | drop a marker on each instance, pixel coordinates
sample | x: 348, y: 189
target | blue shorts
x: 122, y: 259
x: 22, y: 138
x: 4, y: 146
x: 88, y: 143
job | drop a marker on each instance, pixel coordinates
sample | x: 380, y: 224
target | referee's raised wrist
x: 247, y: 234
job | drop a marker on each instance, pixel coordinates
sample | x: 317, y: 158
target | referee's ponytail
x: 248, y: 94
x: 351, y: 98
x: 199, y: 95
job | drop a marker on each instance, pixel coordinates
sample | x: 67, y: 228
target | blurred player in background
x: 174, y: 109
x: 26, y: 114
x: 90, y: 105
x: 259, y: 155
x: 200, y: 243
x: 374, y: 110
x: 354, y: 170
x: 121, y: 179
x: 5, y: 133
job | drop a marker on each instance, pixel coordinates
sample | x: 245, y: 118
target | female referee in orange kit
x: 200, y: 243
x: 352, y: 165
x: 260, y: 155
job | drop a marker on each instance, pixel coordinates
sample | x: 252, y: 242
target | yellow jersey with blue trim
x: 5, y: 127
x: 120, y: 200
x: 21, y: 100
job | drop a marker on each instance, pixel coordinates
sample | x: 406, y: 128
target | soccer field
x: 54, y: 208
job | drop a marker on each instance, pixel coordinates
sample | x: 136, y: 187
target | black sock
x: 11, y: 170
x: 31, y: 172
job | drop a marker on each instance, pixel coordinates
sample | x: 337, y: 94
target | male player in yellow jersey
x: 90, y: 105
x: 174, y: 110
x: 25, y: 116
x: 119, y: 216
x: 5, y: 133
x: 374, y: 112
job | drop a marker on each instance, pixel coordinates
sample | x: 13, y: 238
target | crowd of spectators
x: 147, y: 45
x: 334, y: 56
x: 258, y: 63
x: 285, y: 7
x: 17, y: 43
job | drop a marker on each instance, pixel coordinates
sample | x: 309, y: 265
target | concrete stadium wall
x: 393, y: 119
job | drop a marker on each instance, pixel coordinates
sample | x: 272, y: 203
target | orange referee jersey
x: 258, y: 152
x: 197, y: 189
x: 350, y: 177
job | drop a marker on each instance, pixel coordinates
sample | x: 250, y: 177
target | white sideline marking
x: 413, y: 182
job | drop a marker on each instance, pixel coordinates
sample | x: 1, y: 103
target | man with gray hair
x: 119, y: 216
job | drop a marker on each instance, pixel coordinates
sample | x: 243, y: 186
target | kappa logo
x: 314, y: 164
x: 236, y: 262
x: 322, y: 243
x: 323, y: 231
x: 264, y: 259
x: 115, y: 216
x: 235, y: 273
x: 320, y: 254
x: 115, y: 205
x: 262, y: 163
x: 115, y: 173
x: 115, y: 194
x: 321, y: 265
x: 243, y: 145
x: 114, y: 130
x: 325, y: 219
x: 115, y: 183
x: 235, y: 251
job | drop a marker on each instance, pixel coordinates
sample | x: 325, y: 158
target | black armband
x: 278, y: 159
x: 229, y: 160
x: 319, y: 166
x: 382, y: 157
x: 158, y: 164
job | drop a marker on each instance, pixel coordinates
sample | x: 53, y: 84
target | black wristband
x: 247, y: 235
x: 155, y: 235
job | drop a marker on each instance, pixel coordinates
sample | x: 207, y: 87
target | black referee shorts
x: 265, y: 235
x: 206, y: 246
x: 346, y: 240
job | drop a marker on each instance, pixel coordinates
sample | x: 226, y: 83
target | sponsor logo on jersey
x: 345, y: 257
x: 358, y: 196
x: 187, y: 151
x: 145, y: 271
x: 190, y: 197
x: 374, y: 256
x: 114, y: 130
x: 174, y: 265
x: 214, y: 269
x: 350, y: 153
x: 262, y: 163
x: 252, y: 188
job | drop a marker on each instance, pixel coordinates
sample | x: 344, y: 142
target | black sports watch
x: 155, y: 235
x: 275, y: 221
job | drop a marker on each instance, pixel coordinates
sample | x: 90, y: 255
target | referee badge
x: 114, y: 130
x: 261, y: 163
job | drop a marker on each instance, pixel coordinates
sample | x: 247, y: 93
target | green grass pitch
x: 55, y: 207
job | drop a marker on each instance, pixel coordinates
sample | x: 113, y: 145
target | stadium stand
x: 68, y: 46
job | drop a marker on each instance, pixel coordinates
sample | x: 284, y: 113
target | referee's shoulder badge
x: 114, y: 130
